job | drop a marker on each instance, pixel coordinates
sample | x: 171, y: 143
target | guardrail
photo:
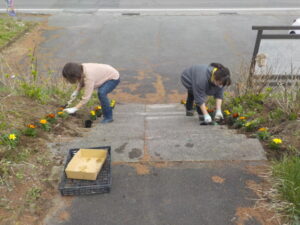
x: 261, y: 35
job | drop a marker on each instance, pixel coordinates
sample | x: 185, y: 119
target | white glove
x: 218, y: 115
x: 207, y: 118
x: 70, y: 110
x: 74, y: 95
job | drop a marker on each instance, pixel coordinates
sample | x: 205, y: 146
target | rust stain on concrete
x: 217, y: 179
x: 64, y: 216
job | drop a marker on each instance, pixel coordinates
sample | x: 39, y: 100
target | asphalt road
x: 152, y: 50
x: 92, y: 4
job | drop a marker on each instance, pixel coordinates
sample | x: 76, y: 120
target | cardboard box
x: 86, y: 164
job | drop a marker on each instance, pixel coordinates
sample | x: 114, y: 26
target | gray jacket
x: 196, y: 79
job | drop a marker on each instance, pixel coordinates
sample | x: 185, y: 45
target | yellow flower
x: 60, y: 113
x: 12, y: 137
x: 262, y: 129
x: 113, y: 101
x: 242, y: 118
x: 227, y: 112
x: 248, y: 124
x: 277, y: 141
x: 93, y: 113
x: 98, y: 107
x: 43, y: 121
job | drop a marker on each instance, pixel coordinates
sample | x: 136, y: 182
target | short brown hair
x: 72, y: 72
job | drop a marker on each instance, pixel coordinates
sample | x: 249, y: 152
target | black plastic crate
x: 85, y: 187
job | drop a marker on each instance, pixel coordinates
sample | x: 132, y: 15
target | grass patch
x: 11, y: 28
x: 287, y: 175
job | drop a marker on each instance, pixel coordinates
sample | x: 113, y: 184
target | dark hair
x: 222, y: 74
x: 72, y: 72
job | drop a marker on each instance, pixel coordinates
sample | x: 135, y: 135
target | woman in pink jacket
x: 90, y: 76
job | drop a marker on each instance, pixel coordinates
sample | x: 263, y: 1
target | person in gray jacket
x: 205, y: 80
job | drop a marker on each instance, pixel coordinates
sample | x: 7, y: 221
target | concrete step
x: 162, y: 132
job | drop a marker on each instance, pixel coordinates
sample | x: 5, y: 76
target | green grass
x: 11, y: 28
x: 287, y: 172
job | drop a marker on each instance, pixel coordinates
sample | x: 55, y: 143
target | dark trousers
x: 190, y: 103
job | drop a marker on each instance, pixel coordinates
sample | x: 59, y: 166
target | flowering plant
x: 30, y: 130
x: 235, y: 115
x: 62, y: 114
x: 263, y: 133
x: 51, y: 118
x: 98, y: 110
x: 227, y: 113
x: 11, y: 140
x: 275, y: 143
x: 239, y: 122
x: 93, y: 115
x: 112, y: 103
x: 45, y: 125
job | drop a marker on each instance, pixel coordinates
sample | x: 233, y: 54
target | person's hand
x: 207, y: 118
x: 219, y: 115
x: 74, y: 95
x: 70, y: 110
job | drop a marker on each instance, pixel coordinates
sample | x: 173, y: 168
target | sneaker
x: 106, y: 121
x: 189, y: 113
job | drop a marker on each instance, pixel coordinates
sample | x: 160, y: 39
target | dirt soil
x: 26, y: 191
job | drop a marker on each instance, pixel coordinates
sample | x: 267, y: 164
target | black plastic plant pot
x: 88, y: 123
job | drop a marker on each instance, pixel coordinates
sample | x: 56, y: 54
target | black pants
x: 190, y: 103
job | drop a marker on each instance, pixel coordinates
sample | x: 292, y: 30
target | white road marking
x: 163, y: 10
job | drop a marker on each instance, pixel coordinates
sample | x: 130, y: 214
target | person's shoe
x: 106, y: 121
x: 189, y: 113
x: 201, y: 118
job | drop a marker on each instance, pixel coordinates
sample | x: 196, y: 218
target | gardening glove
x: 218, y: 115
x: 207, y: 118
x: 70, y: 110
x: 73, y: 95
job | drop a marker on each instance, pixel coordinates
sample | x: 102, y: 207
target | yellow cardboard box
x: 86, y: 164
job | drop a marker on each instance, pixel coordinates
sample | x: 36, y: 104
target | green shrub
x: 34, y: 92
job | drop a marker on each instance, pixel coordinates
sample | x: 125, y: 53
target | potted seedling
x: 88, y: 123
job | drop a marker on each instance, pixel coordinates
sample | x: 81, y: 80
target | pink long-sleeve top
x: 94, y: 75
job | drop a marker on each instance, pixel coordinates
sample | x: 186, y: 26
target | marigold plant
x: 45, y: 125
x: 62, y: 114
x: 30, y: 130
x: 11, y: 140
x: 93, y: 115
x: 112, y: 103
x: 98, y: 110
x: 275, y: 143
x: 227, y: 112
x: 263, y: 133
x: 51, y: 118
